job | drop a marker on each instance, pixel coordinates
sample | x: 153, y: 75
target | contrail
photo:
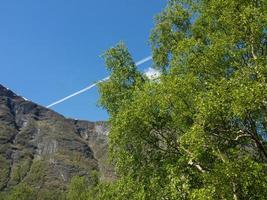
x: 77, y: 93
x: 140, y: 62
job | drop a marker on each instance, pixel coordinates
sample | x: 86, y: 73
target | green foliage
x: 3, y: 195
x: 37, y: 173
x: 81, y: 188
x: 200, y: 130
x: 51, y: 194
x: 94, y: 178
x: 78, y: 189
x: 21, y: 169
x: 22, y: 192
x: 124, y: 78
x: 125, y: 188
x: 4, y: 170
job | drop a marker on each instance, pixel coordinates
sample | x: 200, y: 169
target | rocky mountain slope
x: 44, y: 149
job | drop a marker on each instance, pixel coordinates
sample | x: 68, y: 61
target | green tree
x: 200, y: 130
x: 78, y: 189
x: 21, y: 192
x: 83, y: 188
x: 124, y: 78
x: 125, y: 188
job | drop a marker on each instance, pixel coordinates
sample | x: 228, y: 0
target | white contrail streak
x: 140, y: 62
x: 77, y: 93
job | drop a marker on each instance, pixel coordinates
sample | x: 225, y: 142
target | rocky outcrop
x: 44, y: 149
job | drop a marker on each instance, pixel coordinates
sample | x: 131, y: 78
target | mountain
x: 44, y: 149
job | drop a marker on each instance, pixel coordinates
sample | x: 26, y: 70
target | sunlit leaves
x: 198, y: 131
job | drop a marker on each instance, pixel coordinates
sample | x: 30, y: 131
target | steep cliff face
x: 44, y: 149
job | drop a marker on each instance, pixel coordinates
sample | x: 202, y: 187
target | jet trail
x: 77, y: 93
x: 140, y: 62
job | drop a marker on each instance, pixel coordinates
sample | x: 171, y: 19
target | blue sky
x: 50, y: 49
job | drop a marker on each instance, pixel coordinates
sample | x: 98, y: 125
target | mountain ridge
x: 44, y: 149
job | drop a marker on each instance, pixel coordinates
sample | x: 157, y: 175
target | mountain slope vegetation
x: 40, y: 150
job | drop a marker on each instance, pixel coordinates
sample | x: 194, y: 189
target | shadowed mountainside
x: 44, y: 149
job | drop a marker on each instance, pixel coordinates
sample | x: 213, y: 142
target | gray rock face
x: 44, y: 149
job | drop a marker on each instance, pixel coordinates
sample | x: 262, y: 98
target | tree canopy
x: 199, y: 131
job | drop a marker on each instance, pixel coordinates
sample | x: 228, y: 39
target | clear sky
x: 50, y: 49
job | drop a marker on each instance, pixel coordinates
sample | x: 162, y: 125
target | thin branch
x: 190, y: 162
x: 253, y: 53
x: 241, y: 136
